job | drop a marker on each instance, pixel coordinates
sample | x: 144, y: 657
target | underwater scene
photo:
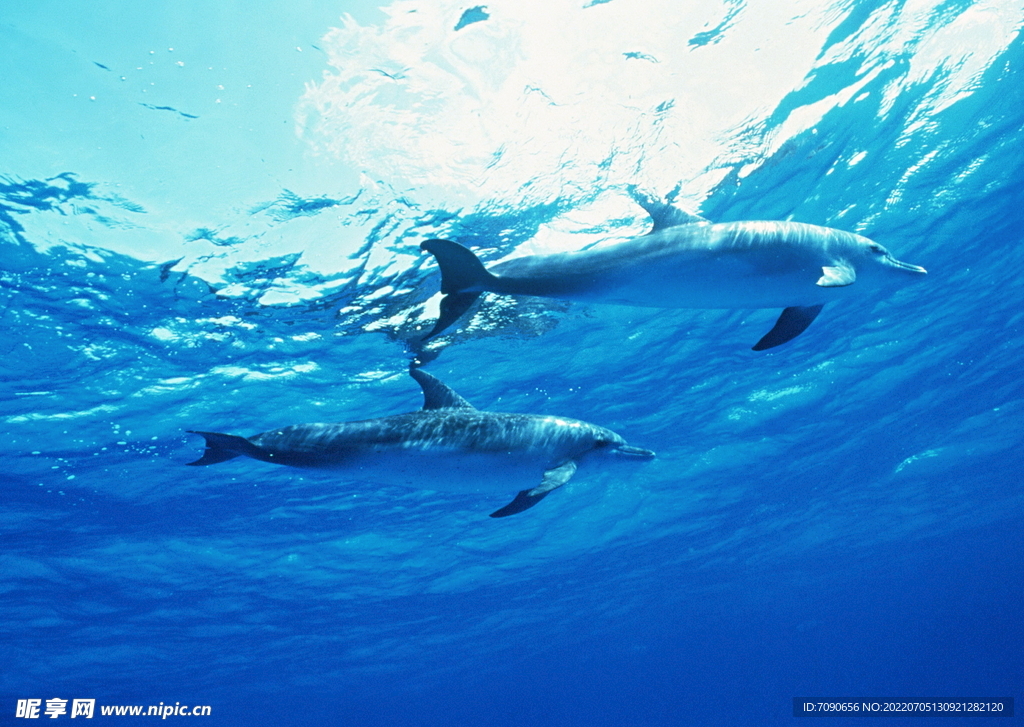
x: 604, y: 363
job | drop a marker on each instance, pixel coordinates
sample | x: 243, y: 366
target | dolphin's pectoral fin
x: 553, y: 479
x: 523, y: 501
x: 222, y: 447
x: 791, y: 323
x: 837, y: 276
x: 453, y: 306
x: 213, y: 456
x: 437, y: 395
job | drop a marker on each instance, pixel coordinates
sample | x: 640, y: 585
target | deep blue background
x: 837, y: 519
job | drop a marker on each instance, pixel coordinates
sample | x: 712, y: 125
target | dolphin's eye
x: 876, y: 248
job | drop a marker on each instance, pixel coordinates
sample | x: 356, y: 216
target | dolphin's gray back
x: 441, y: 430
x: 459, y: 450
x: 699, y: 265
x: 448, y: 445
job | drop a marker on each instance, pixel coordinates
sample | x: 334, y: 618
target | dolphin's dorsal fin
x: 435, y: 394
x: 663, y: 214
x: 837, y: 276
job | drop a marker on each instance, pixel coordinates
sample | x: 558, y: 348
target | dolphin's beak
x: 637, y: 452
x: 893, y: 262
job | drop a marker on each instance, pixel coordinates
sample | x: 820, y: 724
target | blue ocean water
x: 210, y: 218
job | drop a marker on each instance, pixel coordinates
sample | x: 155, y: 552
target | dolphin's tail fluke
x: 222, y: 447
x: 463, y: 278
x: 453, y: 306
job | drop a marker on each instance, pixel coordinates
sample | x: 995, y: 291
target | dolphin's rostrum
x: 448, y: 445
x: 687, y: 262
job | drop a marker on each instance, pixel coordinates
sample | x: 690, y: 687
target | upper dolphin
x: 448, y: 445
x: 686, y: 261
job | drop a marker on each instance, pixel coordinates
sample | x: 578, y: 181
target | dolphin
x: 448, y: 445
x: 685, y: 261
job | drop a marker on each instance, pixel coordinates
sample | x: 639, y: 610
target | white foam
x: 541, y: 100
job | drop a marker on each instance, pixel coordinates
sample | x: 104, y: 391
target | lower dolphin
x: 448, y: 445
x: 687, y: 262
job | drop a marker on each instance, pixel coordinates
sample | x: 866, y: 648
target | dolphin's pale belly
x: 446, y: 471
x: 726, y: 283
